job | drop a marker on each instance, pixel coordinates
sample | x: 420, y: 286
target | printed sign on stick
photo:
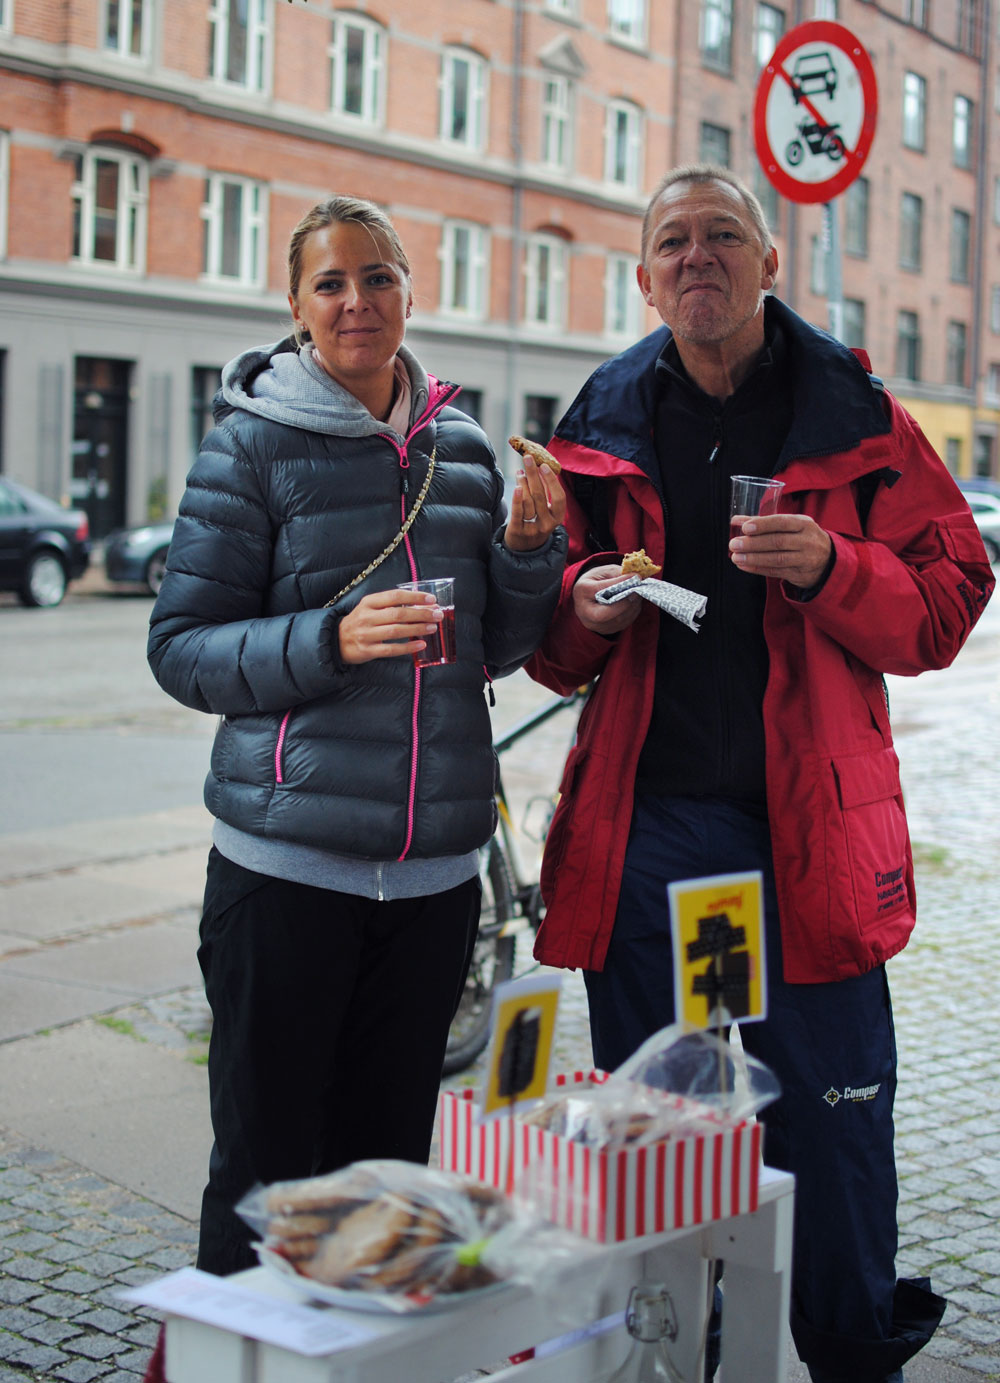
x: 717, y: 925
x: 815, y: 112
x: 524, y: 1021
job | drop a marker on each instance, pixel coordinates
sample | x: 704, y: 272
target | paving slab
x: 54, y: 984
x: 124, y: 1109
x: 23, y: 853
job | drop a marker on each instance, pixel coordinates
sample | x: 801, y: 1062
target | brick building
x: 155, y: 155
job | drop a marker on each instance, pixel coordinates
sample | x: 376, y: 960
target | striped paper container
x: 606, y: 1195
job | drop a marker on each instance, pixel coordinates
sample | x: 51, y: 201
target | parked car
x: 985, y: 506
x: 139, y: 554
x: 43, y: 547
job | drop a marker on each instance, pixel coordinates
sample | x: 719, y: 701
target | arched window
x: 110, y: 191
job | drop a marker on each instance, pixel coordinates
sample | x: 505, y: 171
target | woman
x: 351, y: 789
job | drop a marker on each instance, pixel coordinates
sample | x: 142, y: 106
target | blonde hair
x: 702, y: 173
x: 334, y: 211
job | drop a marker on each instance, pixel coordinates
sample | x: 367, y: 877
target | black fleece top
x: 706, y: 736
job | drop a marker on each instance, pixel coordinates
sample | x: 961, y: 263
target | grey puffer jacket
x: 296, y: 489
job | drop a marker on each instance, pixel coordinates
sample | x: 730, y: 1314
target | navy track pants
x: 833, y: 1049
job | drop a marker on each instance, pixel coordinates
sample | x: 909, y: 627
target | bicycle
x: 512, y: 902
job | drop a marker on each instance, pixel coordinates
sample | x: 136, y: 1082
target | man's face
x: 706, y: 270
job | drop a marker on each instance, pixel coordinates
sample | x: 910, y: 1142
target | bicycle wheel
x: 492, y: 963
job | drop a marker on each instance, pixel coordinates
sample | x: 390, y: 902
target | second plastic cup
x: 750, y: 495
x: 441, y: 644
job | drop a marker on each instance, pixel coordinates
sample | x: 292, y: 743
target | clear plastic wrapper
x: 680, y: 1083
x: 400, y: 1237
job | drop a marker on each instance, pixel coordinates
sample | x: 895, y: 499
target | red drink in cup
x: 441, y: 643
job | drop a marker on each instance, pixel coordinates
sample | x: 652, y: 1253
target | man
x: 761, y: 741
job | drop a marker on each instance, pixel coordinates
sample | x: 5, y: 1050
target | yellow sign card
x: 524, y: 1023
x: 717, y: 925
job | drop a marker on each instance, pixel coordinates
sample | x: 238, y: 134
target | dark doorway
x: 100, y: 441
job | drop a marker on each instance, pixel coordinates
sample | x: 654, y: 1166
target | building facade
x: 156, y: 154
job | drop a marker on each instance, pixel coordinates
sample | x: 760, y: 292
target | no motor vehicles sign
x: 815, y: 110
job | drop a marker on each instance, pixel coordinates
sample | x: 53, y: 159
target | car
x: 43, y: 545
x: 139, y: 554
x: 985, y: 506
x: 813, y: 72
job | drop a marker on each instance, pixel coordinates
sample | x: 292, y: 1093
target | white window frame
x: 564, y: 7
x: 130, y: 210
x: 476, y: 253
x: 123, y: 45
x: 914, y: 111
x: 557, y: 122
x: 915, y: 13
x: 622, y: 303
x: 961, y: 131
x: 372, y: 65
x: 6, y: 16
x: 252, y: 231
x: 766, y: 36
x: 995, y: 309
x: 4, y: 189
x: 256, y: 76
x: 473, y: 139
x: 825, y: 9
x: 627, y: 20
x: 545, y: 277
x: 623, y: 145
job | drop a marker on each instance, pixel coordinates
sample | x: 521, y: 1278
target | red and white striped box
x: 606, y: 1195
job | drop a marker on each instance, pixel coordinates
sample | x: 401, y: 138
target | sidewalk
x: 103, y: 1098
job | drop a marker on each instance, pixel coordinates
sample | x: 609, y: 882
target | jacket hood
x: 284, y: 383
x: 831, y: 413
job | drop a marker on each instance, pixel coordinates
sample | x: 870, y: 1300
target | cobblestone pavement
x: 68, y: 1239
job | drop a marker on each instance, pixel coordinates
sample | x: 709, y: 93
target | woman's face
x: 354, y: 299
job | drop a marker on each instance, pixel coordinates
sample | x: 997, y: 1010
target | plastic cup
x: 441, y: 644
x: 749, y: 496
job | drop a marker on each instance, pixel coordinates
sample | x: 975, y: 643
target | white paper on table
x: 231, y: 1306
x: 686, y: 606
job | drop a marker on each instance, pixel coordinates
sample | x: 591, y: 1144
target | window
x: 907, y: 345
x: 825, y: 9
x: 961, y: 132
x: 566, y: 7
x: 911, y: 231
x: 856, y: 213
x: 961, y: 239
x: 622, y: 144
x: 914, y: 110
x: 463, y: 269
x: 769, y: 25
x: 968, y: 26
x: 545, y: 281
x: 767, y: 194
x: 818, y: 278
x: 463, y: 99
x: 995, y: 309
x: 126, y: 27
x: 5, y: 13
x: 983, y: 447
x: 470, y: 402
x: 205, y: 380
x: 356, y: 68
x: 627, y: 20
x: 993, y: 385
x: 717, y: 33
x: 915, y: 12
x: 557, y: 123
x: 955, y: 353
x: 855, y: 331
x: 713, y: 144
x: 953, y: 454
x: 109, y: 209
x: 234, y: 238
x: 996, y: 201
x: 238, y: 42
x: 539, y: 417
x: 622, y: 303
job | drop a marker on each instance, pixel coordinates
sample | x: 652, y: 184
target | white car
x: 985, y: 508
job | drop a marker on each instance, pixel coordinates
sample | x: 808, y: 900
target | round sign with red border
x: 815, y: 111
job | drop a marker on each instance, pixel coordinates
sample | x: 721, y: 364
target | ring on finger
x: 533, y: 519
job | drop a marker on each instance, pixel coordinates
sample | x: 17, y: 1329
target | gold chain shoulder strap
x: 407, y: 524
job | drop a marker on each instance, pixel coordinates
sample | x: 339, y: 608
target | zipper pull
x: 489, y: 688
